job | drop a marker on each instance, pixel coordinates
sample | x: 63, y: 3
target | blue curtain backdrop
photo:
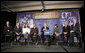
x: 23, y: 18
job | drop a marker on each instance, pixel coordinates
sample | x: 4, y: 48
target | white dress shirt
x: 26, y: 30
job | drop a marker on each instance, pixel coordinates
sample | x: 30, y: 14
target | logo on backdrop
x: 26, y: 20
x: 63, y: 16
x: 67, y: 16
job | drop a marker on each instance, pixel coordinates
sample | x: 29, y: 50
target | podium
x: 48, y: 33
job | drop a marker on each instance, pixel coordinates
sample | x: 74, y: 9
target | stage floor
x: 40, y: 48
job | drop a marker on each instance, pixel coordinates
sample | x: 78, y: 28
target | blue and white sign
x: 48, y: 32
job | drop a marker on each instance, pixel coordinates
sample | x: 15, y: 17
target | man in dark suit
x: 66, y: 31
x: 17, y: 31
x: 74, y: 31
x: 34, y: 33
x: 8, y: 32
x: 42, y: 30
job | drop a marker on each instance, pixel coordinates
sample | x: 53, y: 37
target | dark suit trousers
x: 32, y: 38
x: 42, y: 36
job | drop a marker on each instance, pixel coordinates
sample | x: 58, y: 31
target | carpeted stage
x: 22, y: 47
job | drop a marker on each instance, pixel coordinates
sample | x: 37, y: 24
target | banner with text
x: 49, y: 17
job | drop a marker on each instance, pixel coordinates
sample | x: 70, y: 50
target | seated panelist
x: 17, y: 31
x: 66, y: 30
x: 56, y: 31
x: 8, y: 32
x: 34, y: 33
x: 26, y: 31
x: 74, y: 31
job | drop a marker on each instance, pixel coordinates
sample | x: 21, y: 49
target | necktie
x: 74, y: 27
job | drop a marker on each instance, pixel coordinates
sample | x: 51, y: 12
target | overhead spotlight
x: 43, y: 6
x: 42, y: 9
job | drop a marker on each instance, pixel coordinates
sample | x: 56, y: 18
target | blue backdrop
x: 64, y: 16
